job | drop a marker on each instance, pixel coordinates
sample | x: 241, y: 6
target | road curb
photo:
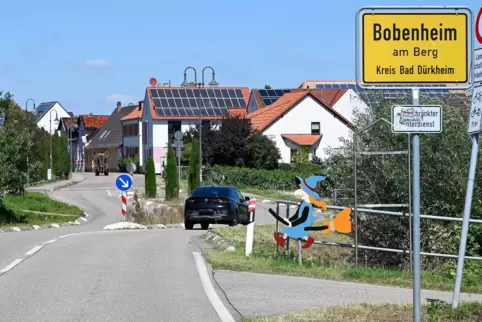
x: 166, y: 226
x: 215, y: 238
x: 68, y: 184
x: 79, y: 221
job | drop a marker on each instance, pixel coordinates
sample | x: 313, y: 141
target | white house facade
x: 304, y: 119
x: 47, y: 112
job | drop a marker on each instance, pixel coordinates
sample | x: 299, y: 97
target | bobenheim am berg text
x: 415, y: 34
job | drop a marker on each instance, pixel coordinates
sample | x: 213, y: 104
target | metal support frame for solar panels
x: 379, y: 153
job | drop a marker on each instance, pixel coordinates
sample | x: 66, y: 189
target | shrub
x: 255, y: 178
x: 194, y: 180
x: 122, y: 163
x: 172, y: 180
x: 150, y: 179
x: 262, y: 153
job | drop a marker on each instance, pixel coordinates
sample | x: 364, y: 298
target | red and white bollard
x: 124, y: 205
x: 250, y: 227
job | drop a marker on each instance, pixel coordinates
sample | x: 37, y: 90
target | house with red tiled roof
x: 132, y: 139
x: 168, y: 109
x: 303, y: 119
x: 88, y: 125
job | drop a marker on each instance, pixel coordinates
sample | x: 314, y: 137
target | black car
x: 216, y: 205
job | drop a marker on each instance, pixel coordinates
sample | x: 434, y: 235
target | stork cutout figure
x: 300, y: 225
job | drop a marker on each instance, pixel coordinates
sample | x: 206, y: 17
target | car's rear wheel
x: 188, y: 225
x: 235, y: 220
x: 205, y: 225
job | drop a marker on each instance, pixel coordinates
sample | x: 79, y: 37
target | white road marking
x: 209, y: 289
x: 82, y: 218
x: 86, y: 214
x: 108, y: 192
x: 33, y: 250
x: 51, y: 241
x: 63, y: 236
x: 11, y: 265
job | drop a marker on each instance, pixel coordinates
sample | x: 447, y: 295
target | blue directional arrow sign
x: 123, y: 182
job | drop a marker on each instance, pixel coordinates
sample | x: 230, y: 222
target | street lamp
x: 185, y: 83
x: 28, y: 132
x: 71, y: 128
x: 56, y: 121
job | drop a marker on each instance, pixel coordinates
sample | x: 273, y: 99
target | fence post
x: 300, y: 259
x: 277, y: 224
x: 287, y: 216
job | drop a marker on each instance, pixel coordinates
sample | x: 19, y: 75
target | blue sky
x: 89, y: 54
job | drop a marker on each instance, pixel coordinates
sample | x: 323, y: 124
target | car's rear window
x: 211, y: 192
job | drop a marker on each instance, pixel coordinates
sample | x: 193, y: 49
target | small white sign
x: 475, y: 114
x: 49, y: 174
x: 416, y: 119
x: 478, y: 65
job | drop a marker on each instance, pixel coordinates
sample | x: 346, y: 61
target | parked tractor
x: 101, y: 163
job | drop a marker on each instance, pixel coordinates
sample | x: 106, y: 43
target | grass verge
x: 22, y: 218
x: 436, y: 312
x: 271, y: 194
x: 326, y: 262
x: 37, y: 201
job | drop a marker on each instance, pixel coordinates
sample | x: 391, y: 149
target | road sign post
x: 416, y: 48
x: 124, y: 183
x: 475, y: 127
x: 250, y: 227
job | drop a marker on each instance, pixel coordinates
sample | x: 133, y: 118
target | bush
x: 150, y: 179
x: 194, y: 179
x: 122, y: 163
x: 255, y: 178
x: 172, y: 180
x: 262, y: 153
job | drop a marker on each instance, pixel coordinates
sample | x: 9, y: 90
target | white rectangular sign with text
x: 416, y: 119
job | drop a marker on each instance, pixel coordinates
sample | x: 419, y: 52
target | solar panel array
x: 196, y: 102
x: 370, y: 97
x: 269, y: 96
x: 44, y: 107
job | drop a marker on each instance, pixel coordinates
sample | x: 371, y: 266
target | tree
x: 150, y: 179
x: 172, y: 179
x: 302, y: 155
x: 194, y: 180
x: 384, y: 180
x: 262, y: 152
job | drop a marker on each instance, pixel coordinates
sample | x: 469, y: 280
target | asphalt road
x: 82, y: 273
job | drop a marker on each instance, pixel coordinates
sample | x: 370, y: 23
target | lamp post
x: 28, y: 132
x: 185, y: 83
x: 56, y: 121
x: 71, y: 128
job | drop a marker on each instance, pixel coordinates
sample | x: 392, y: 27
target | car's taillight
x: 190, y: 201
x: 224, y: 201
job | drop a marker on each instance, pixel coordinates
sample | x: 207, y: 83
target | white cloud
x: 124, y: 99
x: 97, y: 63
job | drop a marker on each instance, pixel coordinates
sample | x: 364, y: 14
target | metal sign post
x: 475, y: 127
x: 178, y: 144
x: 124, y: 183
x: 395, y: 36
x: 250, y: 227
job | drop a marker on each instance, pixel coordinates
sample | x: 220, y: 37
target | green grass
x: 326, y: 262
x: 436, y: 312
x: 21, y: 218
x: 37, y: 201
x: 271, y: 194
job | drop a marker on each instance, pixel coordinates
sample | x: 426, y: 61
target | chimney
x: 141, y: 105
x: 91, y: 114
x: 119, y: 106
x: 267, y: 86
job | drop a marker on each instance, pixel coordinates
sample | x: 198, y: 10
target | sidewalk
x: 263, y: 294
x: 76, y: 178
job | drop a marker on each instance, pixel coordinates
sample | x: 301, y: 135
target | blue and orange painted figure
x: 300, y: 225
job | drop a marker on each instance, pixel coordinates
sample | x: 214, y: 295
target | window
x: 315, y: 128
x: 131, y: 151
x: 173, y: 127
x: 145, y: 134
x: 130, y: 130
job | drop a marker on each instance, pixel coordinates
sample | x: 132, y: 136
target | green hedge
x: 280, y: 179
